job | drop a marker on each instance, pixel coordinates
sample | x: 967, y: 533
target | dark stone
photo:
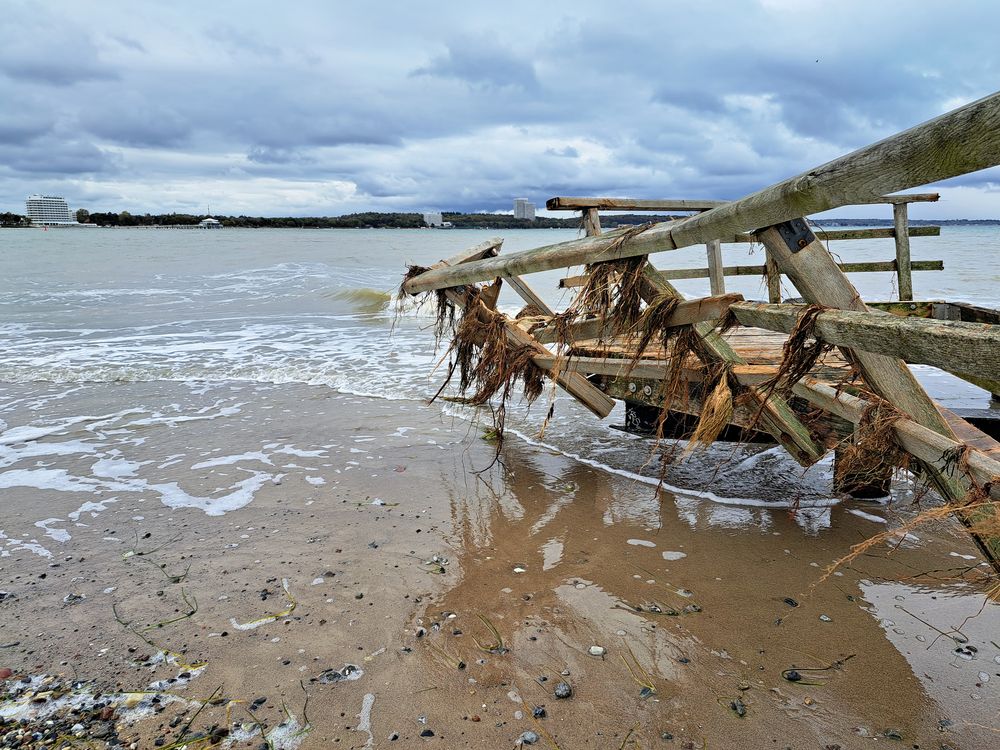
x: 563, y: 690
x: 427, y: 733
x: 538, y: 712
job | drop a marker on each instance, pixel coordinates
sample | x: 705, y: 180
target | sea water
x: 214, y: 323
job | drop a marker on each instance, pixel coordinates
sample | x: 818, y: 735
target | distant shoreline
x: 373, y: 220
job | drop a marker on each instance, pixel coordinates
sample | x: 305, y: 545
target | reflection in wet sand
x: 714, y: 631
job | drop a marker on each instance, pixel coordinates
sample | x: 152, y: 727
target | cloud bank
x: 312, y: 109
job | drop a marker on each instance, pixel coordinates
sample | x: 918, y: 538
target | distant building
x: 433, y: 219
x: 210, y: 223
x: 48, y: 211
x: 524, y: 209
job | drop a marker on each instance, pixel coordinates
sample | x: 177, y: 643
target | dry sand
x: 457, y: 603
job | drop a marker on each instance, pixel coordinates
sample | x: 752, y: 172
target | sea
x: 118, y: 332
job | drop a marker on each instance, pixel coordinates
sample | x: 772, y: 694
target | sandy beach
x: 376, y: 591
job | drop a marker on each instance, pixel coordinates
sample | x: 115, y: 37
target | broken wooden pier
x: 827, y: 372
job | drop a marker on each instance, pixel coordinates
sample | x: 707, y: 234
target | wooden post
x: 903, y: 276
x: 773, y: 276
x: 591, y: 222
x: 716, y: 275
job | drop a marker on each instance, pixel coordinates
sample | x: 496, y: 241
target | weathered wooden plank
x: 529, y: 295
x: 633, y: 204
x: 648, y: 369
x: 776, y: 416
x: 686, y: 313
x: 964, y: 140
x: 902, y: 237
x: 629, y: 204
x: 716, y: 276
x: 703, y: 273
x: 903, y: 198
x: 957, y: 347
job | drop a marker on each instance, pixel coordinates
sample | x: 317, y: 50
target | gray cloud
x: 371, y: 110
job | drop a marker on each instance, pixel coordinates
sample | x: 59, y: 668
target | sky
x: 324, y: 108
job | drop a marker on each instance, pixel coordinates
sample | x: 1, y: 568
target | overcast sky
x: 324, y: 108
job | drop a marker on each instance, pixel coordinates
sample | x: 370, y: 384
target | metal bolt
x: 647, y: 391
x: 632, y: 388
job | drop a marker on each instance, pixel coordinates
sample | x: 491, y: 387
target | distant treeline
x: 377, y: 220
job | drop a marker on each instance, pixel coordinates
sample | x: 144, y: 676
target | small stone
x: 538, y: 712
x: 790, y: 602
x: 808, y: 701
x: 359, y: 595
x: 666, y: 736
x: 792, y: 676
x: 427, y: 733
x: 597, y: 650
x: 519, y: 569
x: 825, y: 618
x: 5, y: 673
x: 892, y: 734
x: 475, y: 717
x: 739, y: 707
x: 394, y: 736
x: 528, y: 738
x: 563, y: 690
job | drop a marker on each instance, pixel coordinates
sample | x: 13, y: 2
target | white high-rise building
x: 433, y: 219
x: 524, y: 209
x: 48, y: 210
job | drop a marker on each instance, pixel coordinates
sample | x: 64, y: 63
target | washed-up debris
x: 347, y: 673
x: 292, y: 604
x: 739, y: 707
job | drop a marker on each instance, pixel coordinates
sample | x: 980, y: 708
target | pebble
x: 826, y: 618
x: 538, y: 712
x: 597, y: 651
x: 563, y: 690
x: 528, y: 738
x: 427, y: 733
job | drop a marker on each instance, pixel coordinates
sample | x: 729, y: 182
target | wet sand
x: 367, y: 584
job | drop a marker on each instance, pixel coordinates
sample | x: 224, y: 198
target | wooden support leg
x: 904, y: 277
x: 865, y: 485
x: 773, y: 276
x: 716, y: 272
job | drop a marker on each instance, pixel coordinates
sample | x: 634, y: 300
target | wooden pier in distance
x: 829, y: 373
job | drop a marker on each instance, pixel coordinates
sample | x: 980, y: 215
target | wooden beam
x: 716, y: 276
x: 903, y: 198
x: 629, y: 204
x: 633, y: 204
x: 902, y: 236
x: 962, y: 141
x: 529, y: 295
x: 686, y: 313
x: 703, y: 273
x: 776, y: 416
x: 648, y: 369
x: 957, y: 347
